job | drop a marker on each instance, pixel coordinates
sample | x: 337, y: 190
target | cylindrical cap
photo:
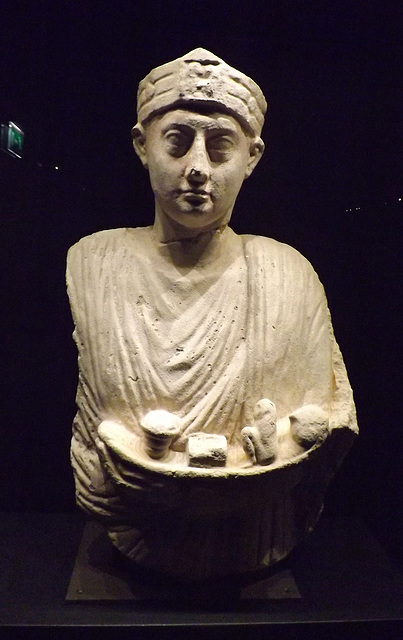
x: 200, y: 77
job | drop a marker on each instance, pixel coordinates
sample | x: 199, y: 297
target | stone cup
x: 160, y: 428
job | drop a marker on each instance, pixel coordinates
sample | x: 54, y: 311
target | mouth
x: 196, y: 197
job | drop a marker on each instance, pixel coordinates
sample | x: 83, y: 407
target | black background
x: 329, y: 184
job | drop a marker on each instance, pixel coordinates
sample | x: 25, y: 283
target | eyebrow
x: 190, y: 125
x: 216, y: 127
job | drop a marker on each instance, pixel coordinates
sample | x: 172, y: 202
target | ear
x: 139, y: 143
x: 256, y: 149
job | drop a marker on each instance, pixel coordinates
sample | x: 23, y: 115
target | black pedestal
x: 342, y: 573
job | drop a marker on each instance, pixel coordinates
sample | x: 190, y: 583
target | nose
x: 198, y: 165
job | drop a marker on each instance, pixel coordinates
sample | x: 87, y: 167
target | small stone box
x: 206, y: 450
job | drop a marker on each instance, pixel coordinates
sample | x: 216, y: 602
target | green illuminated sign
x: 12, y: 139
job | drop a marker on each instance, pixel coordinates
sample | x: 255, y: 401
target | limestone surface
x: 260, y: 440
x: 213, y: 404
x: 206, y: 450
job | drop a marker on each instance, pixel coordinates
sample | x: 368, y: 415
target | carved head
x: 198, y: 134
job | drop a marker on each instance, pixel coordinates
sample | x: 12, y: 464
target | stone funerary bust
x: 213, y: 401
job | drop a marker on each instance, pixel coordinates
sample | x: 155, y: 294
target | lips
x: 196, y: 196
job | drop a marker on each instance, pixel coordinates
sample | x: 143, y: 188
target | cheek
x: 161, y: 179
x: 228, y: 183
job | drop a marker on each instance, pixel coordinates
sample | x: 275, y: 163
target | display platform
x: 341, y: 573
x: 101, y: 574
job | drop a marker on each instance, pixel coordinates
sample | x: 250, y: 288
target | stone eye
x: 219, y: 147
x: 177, y: 143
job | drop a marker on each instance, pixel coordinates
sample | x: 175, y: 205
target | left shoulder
x: 278, y: 253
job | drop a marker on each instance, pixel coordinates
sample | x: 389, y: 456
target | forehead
x: 197, y: 120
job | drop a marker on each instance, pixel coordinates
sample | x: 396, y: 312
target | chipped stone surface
x: 186, y: 328
x: 206, y: 450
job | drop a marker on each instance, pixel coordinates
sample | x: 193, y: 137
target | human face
x: 197, y: 163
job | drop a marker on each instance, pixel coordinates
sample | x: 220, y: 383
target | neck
x: 205, y: 248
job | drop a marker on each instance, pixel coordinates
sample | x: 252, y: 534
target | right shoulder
x: 102, y: 242
x: 95, y: 240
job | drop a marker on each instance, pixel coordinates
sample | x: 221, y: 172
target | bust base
x: 102, y: 574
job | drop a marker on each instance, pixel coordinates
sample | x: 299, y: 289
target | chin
x: 196, y: 225
x: 195, y: 217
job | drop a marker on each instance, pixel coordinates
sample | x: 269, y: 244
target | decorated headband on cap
x: 199, y: 77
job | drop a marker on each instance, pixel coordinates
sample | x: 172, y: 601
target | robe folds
x: 204, y: 333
